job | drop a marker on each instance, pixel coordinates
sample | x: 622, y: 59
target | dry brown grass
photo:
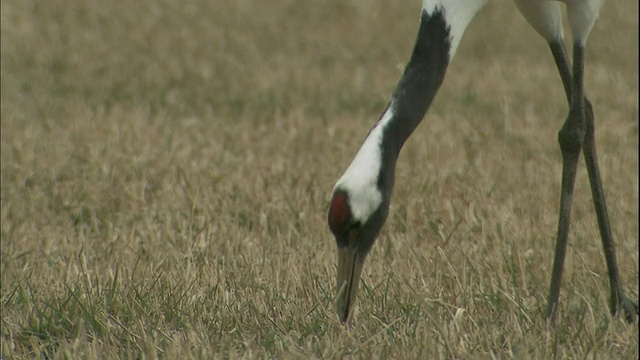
x: 167, y: 166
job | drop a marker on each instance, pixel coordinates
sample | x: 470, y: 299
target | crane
x: 361, y: 197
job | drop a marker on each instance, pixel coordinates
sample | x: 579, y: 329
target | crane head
x: 354, y: 238
x: 359, y: 208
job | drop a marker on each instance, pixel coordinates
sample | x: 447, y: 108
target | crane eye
x: 355, y: 225
x: 350, y: 235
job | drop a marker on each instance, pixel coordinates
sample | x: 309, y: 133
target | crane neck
x: 369, y: 179
x: 419, y: 83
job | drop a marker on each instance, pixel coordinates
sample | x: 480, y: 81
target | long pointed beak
x: 349, y: 269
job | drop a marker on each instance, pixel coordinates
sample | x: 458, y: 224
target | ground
x: 167, y: 168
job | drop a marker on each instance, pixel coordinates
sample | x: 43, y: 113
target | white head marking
x: 360, y: 179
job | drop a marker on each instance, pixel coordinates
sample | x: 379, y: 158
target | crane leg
x: 618, y: 297
x: 577, y: 134
x: 571, y: 138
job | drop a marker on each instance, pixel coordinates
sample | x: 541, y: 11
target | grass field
x: 167, y: 168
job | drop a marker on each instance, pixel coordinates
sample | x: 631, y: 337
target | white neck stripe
x: 360, y: 180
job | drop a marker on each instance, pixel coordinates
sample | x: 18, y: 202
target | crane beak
x: 349, y: 268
